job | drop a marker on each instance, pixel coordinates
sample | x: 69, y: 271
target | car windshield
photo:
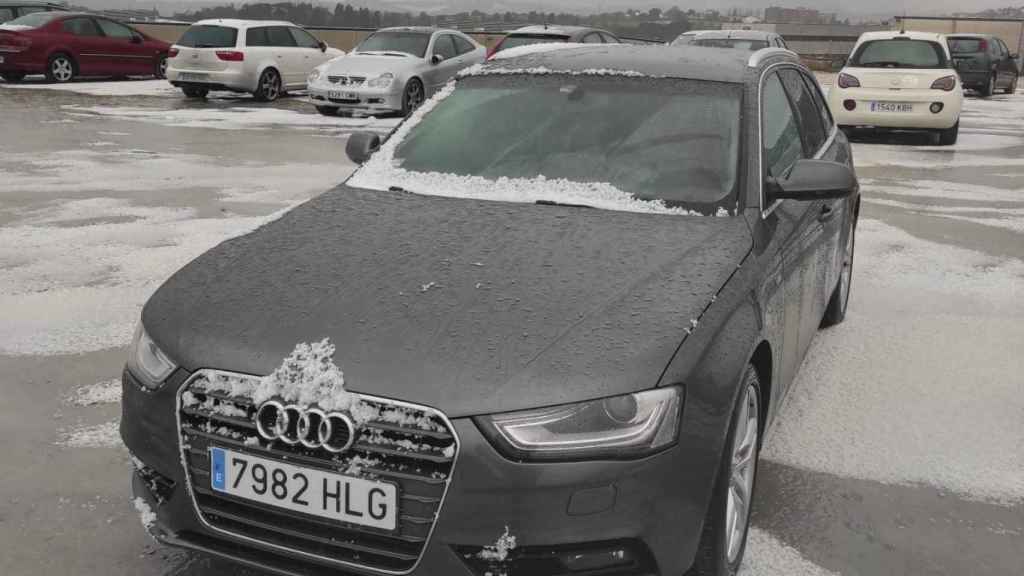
x: 514, y: 41
x: 36, y: 20
x: 735, y: 43
x: 967, y: 45
x: 205, y: 36
x: 899, y: 53
x: 414, y: 43
x: 593, y: 140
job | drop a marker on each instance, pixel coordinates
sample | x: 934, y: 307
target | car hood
x: 468, y: 306
x: 371, y: 65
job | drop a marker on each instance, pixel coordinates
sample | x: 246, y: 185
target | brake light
x: 231, y: 55
x: 983, y: 46
x: 173, y: 52
x: 947, y: 83
x: 847, y: 81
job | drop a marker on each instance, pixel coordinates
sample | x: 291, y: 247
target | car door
x: 290, y: 59
x: 440, y: 72
x: 788, y: 220
x: 469, y: 53
x: 309, y: 47
x: 88, y: 46
x: 1007, y: 65
x: 823, y: 222
x: 125, y: 48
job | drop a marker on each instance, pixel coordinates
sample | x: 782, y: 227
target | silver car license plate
x: 892, y: 107
x: 337, y: 95
x: 307, y: 490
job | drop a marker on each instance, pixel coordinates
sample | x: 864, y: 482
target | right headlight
x: 147, y: 361
x: 621, y: 427
x: 382, y: 81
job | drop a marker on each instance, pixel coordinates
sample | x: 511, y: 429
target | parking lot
x: 900, y: 450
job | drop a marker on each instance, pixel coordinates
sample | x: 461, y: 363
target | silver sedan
x: 392, y: 70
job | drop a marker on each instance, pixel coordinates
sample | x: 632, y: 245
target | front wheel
x: 60, y: 69
x: 191, y: 92
x: 413, y: 96
x: 269, y: 87
x: 836, y: 311
x: 1012, y: 88
x: 327, y: 110
x: 160, y: 71
x: 989, y: 88
x: 724, y: 538
x: 949, y: 136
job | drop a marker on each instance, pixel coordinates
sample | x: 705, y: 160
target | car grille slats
x: 347, y: 80
x: 411, y: 446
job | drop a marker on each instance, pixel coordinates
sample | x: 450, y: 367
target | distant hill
x: 1017, y: 13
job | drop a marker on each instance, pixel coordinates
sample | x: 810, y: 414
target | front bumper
x: 367, y: 100
x: 654, y: 508
x: 920, y: 118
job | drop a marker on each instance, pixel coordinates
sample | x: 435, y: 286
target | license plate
x: 891, y: 107
x: 336, y: 95
x: 191, y: 77
x: 307, y: 490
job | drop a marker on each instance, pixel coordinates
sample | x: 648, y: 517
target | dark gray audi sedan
x: 541, y: 330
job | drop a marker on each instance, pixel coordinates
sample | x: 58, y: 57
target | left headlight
x: 147, y: 361
x: 622, y: 427
x: 382, y: 81
x: 313, y: 76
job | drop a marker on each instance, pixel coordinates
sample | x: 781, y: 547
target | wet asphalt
x: 67, y: 511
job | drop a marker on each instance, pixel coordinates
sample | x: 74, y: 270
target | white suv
x: 899, y: 80
x: 263, y: 58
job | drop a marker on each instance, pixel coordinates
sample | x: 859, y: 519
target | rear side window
x: 279, y: 36
x: 808, y: 115
x: 967, y: 45
x: 6, y: 14
x: 734, y: 43
x: 81, y: 27
x: 781, y: 134
x: 209, y: 37
x: 113, y: 29
x: 304, y: 39
x: 899, y: 53
x: 256, y: 37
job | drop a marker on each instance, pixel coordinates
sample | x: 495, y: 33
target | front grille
x: 347, y: 80
x: 411, y: 446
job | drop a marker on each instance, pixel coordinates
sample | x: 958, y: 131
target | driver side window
x: 444, y: 46
x: 780, y: 134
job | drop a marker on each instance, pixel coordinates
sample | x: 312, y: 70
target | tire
x: 192, y: 92
x: 61, y: 68
x: 835, y: 313
x: 949, y: 136
x: 327, y: 110
x: 721, y: 548
x: 160, y: 69
x: 413, y: 96
x: 988, y: 89
x: 268, y: 89
x: 1012, y: 88
x: 13, y: 77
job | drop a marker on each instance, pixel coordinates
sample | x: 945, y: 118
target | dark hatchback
x: 566, y: 304
x: 984, y: 63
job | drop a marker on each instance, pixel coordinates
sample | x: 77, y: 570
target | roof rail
x: 757, y: 57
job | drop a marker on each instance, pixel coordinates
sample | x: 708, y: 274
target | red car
x: 66, y: 45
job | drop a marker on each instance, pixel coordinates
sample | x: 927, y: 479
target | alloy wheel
x: 741, y: 472
x: 271, y: 85
x: 413, y: 96
x: 162, y: 68
x: 62, y: 69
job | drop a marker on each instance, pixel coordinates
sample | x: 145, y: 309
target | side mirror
x: 1014, y: 56
x: 361, y: 146
x: 323, y: 46
x: 136, y: 39
x: 811, y: 180
x: 436, y: 59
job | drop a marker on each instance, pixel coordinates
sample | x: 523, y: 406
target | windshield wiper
x: 566, y: 204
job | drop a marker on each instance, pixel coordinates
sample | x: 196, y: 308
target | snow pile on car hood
x: 307, y: 377
x: 382, y: 172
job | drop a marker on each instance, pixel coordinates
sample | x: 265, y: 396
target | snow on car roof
x: 552, y: 30
x: 237, y: 23
x: 909, y: 34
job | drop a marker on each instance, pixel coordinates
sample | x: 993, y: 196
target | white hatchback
x: 261, y: 57
x: 899, y: 80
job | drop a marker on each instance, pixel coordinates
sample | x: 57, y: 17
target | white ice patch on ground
x: 146, y: 514
x: 106, y: 392
x: 107, y: 88
x: 939, y: 189
x: 932, y: 393
x: 104, y: 435
x: 235, y: 118
x: 767, y: 556
x: 867, y: 155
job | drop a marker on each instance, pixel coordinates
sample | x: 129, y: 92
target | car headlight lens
x: 313, y: 76
x: 382, y: 81
x: 622, y: 427
x: 148, y: 361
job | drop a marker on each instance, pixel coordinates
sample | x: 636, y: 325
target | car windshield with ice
x: 734, y: 43
x: 402, y: 42
x: 899, y: 53
x: 609, y: 141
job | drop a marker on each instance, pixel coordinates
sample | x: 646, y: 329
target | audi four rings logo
x: 311, y: 427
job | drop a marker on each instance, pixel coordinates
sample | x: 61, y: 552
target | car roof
x: 910, y: 34
x: 553, y: 30
x: 978, y: 36
x: 237, y: 23
x: 737, y: 34
x: 33, y: 3
x: 692, y: 62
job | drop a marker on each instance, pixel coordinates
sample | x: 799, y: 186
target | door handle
x: 827, y: 213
